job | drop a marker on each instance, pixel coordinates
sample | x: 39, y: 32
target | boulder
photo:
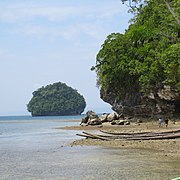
x: 124, y: 122
x: 121, y: 116
x: 84, y: 120
x: 91, y: 114
x: 120, y: 122
x: 94, y: 122
x: 103, y: 117
x: 93, y: 119
x: 114, y: 122
x: 84, y: 124
x: 127, y: 123
x: 112, y: 116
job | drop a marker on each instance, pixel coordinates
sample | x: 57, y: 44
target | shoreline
x: 165, y: 147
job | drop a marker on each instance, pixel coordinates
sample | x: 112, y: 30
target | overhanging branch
x: 172, y: 12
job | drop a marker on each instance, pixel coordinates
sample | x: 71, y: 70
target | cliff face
x: 162, y: 100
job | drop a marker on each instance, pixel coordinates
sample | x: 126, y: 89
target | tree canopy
x: 147, y: 54
x: 55, y: 100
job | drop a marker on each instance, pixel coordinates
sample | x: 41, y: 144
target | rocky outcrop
x: 114, y: 118
x: 161, y: 100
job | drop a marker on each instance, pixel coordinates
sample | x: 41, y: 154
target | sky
x: 48, y: 41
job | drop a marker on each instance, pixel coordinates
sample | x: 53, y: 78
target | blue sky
x: 47, y: 41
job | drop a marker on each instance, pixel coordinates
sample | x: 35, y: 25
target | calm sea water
x: 33, y: 148
x: 24, y: 125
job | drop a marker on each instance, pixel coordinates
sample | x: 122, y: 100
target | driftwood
x: 121, y: 133
x: 97, y: 136
x: 173, y: 136
x: 136, y: 133
x: 93, y: 136
x: 87, y: 136
x: 133, y: 136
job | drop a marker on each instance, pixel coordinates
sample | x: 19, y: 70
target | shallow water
x: 34, y: 149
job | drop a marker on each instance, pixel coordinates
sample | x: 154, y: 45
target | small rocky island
x: 56, y: 99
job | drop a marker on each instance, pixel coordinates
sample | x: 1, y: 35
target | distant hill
x: 56, y: 100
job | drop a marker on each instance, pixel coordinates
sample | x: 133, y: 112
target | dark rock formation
x: 160, y: 100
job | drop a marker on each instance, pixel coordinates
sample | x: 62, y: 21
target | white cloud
x: 71, y: 31
x: 66, y: 21
x: 28, y: 11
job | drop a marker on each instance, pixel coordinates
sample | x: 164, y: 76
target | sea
x: 39, y: 148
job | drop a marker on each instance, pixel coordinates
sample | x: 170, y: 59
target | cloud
x: 13, y: 13
x: 62, y: 20
x: 69, y: 32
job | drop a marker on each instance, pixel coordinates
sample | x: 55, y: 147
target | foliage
x: 56, y: 99
x: 147, y: 54
x: 170, y: 60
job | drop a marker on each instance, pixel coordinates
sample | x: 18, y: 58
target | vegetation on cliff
x: 56, y: 99
x: 147, y: 54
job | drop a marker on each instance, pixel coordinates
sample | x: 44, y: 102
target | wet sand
x: 165, y: 152
x: 167, y: 147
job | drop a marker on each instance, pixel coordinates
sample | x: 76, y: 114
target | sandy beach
x: 163, y: 155
x: 167, y: 147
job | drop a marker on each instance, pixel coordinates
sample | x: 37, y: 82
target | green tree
x: 146, y: 55
x: 136, y: 5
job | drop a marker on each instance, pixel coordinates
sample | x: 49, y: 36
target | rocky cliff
x: 161, y: 100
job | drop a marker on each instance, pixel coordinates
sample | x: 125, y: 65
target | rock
x: 113, y: 122
x: 121, y: 116
x: 161, y: 99
x: 121, y: 122
x: 94, y: 122
x: 112, y: 116
x: 103, y: 118
x: 127, y: 123
x: 92, y: 119
x: 139, y: 121
x: 84, y: 124
x: 84, y: 120
x: 91, y: 114
x: 124, y: 122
